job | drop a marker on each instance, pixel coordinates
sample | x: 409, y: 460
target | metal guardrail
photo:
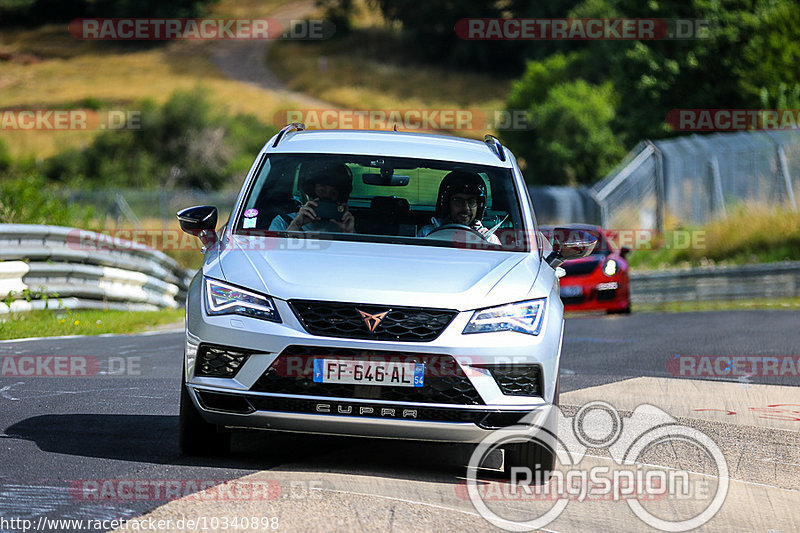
x: 84, y: 269
x: 766, y: 280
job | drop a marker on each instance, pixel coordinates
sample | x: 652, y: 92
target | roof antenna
x: 395, y: 126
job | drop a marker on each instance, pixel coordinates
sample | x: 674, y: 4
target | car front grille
x: 334, y: 319
x: 573, y: 300
x: 580, y: 268
x: 604, y: 296
x: 292, y: 373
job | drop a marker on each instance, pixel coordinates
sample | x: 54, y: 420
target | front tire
x: 197, y: 437
x: 537, y: 456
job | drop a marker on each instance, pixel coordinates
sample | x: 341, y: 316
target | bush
x: 570, y: 139
x: 5, y: 156
x: 28, y: 199
x: 186, y: 143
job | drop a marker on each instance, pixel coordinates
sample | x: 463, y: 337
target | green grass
x: 69, y: 73
x: 722, y: 305
x: 367, y: 70
x: 750, y: 234
x: 69, y: 322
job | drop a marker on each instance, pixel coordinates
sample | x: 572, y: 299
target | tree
x: 570, y: 140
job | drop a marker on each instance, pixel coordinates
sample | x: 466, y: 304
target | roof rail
x: 495, y: 146
x: 294, y: 126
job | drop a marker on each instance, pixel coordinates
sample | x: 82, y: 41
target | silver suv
x: 374, y: 283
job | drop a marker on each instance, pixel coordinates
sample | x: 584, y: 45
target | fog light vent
x: 224, y: 402
x: 219, y: 361
x: 517, y: 380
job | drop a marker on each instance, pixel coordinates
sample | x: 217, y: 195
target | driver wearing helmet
x: 462, y: 201
x: 332, y: 184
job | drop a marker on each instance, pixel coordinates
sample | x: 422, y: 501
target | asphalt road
x: 60, y: 437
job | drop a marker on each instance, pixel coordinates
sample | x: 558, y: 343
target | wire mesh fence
x: 150, y: 209
x: 697, y: 178
x: 690, y: 180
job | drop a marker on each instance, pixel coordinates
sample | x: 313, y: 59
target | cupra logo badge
x: 372, y: 321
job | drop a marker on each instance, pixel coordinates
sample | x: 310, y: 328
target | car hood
x: 377, y: 273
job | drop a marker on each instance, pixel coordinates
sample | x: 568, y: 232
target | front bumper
x: 598, y: 293
x: 241, y: 402
x: 386, y: 420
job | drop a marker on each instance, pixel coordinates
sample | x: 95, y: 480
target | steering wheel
x: 457, y: 227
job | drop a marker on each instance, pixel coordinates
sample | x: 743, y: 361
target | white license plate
x: 369, y: 372
x: 572, y: 290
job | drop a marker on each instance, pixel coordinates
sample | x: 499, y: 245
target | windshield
x: 384, y: 199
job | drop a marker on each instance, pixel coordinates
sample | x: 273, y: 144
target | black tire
x: 197, y: 437
x: 537, y: 456
x: 625, y: 311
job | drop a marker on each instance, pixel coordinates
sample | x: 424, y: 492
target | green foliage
x: 570, y: 132
x: 428, y: 31
x: 772, y: 54
x: 186, y: 143
x: 27, y: 198
x: 5, y: 156
x: 339, y: 13
x: 747, y: 58
x: 751, y: 48
x: 29, y: 295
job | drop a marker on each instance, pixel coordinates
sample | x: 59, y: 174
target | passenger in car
x: 461, y: 201
x: 326, y: 188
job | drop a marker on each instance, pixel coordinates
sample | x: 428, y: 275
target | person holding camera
x: 326, y: 210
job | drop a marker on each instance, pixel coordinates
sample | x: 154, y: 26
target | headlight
x: 610, y: 268
x: 525, y: 317
x: 224, y: 299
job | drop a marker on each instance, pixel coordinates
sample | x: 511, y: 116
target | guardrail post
x: 717, y: 198
x: 783, y: 168
x: 659, y: 187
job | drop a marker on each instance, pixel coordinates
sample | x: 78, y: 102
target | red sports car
x: 599, y: 281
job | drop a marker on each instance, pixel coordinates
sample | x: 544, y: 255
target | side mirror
x: 200, y: 221
x: 570, y: 244
x: 624, y: 251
